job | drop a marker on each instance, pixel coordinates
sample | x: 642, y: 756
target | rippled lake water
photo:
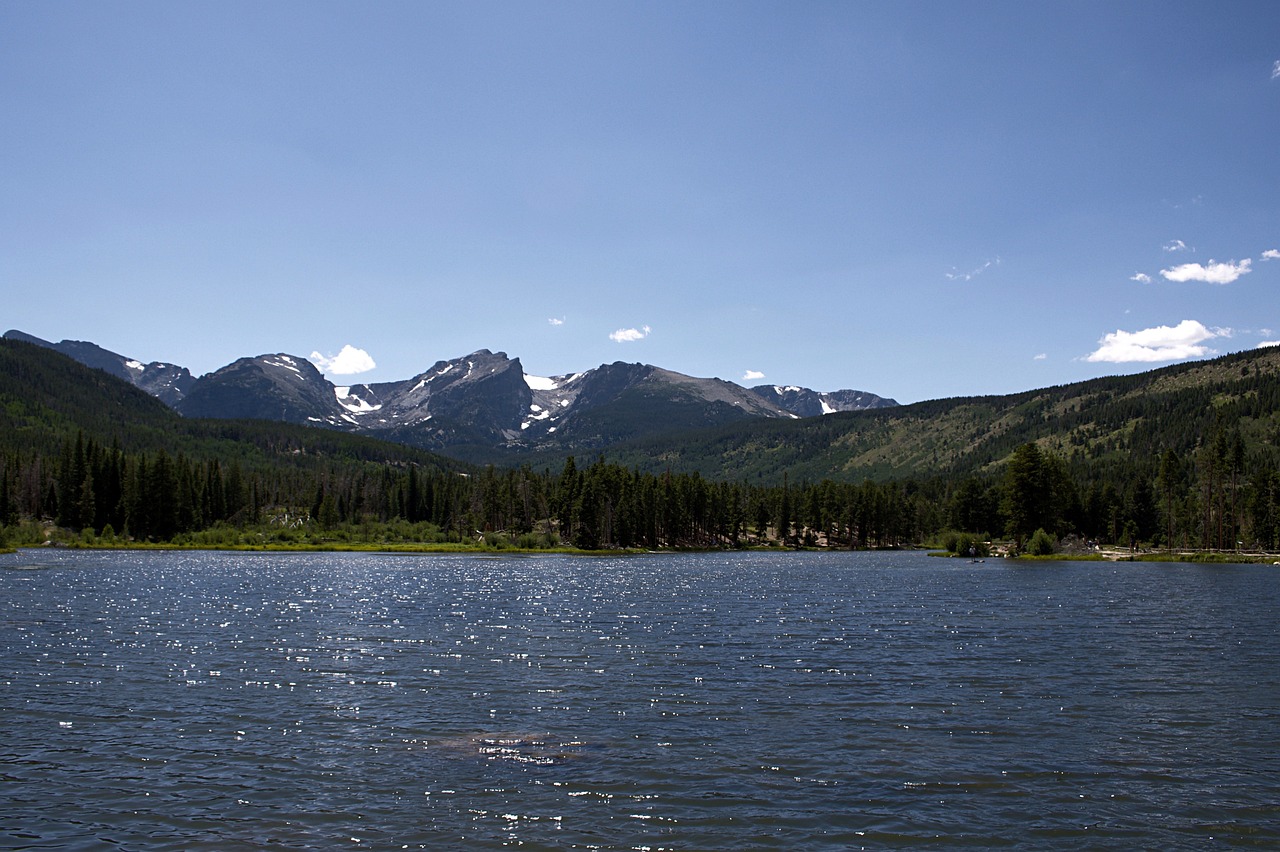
x: 713, y: 701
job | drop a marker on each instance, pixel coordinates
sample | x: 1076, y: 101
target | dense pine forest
x: 1210, y: 501
x: 86, y: 459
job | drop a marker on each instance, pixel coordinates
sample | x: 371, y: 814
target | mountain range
x: 480, y: 407
x: 1112, y: 430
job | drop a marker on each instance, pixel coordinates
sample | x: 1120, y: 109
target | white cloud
x: 751, y: 375
x: 1161, y: 343
x: 1213, y: 273
x: 953, y: 275
x: 1041, y: 357
x: 626, y: 335
x: 555, y: 321
x: 347, y: 362
x: 1264, y: 344
x: 1271, y: 254
x: 1275, y: 70
x: 1140, y: 277
x: 1176, y: 245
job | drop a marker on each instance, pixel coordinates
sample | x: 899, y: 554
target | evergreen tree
x: 1034, y: 488
x: 1170, y: 484
x: 86, y: 505
x: 71, y: 474
x: 973, y: 508
x: 160, y: 498
x: 783, y: 523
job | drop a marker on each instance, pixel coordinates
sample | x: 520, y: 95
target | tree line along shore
x: 1212, y: 501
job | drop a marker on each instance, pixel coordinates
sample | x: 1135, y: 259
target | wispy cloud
x: 626, y: 335
x: 1140, y: 277
x: 1211, y: 273
x: 555, y: 321
x: 1043, y: 356
x: 1177, y: 245
x: 752, y: 375
x: 956, y: 275
x: 1271, y: 254
x: 1275, y: 70
x: 1162, y: 343
x: 348, y: 362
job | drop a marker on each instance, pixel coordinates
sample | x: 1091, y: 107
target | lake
x: 704, y: 701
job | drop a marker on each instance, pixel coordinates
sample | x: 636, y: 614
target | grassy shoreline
x: 324, y: 547
x: 456, y: 548
x: 1197, y: 557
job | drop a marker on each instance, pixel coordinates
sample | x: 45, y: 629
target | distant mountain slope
x: 268, y: 387
x: 619, y: 401
x: 47, y: 397
x: 808, y: 403
x: 1104, y: 421
x: 167, y: 382
x: 480, y: 398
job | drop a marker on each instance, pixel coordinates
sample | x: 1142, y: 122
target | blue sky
x: 914, y: 199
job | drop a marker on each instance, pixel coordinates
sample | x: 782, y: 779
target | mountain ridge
x: 1103, y: 421
x: 476, y: 406
x: 1115, y: 426
x: 484, y: 409
x: 167, y: 382
x: 47, y: 397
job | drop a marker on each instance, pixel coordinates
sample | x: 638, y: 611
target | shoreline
x: 1112, y: 556
x: 436, y: 548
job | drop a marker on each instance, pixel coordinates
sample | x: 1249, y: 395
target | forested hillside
x: 1113, y: 422
x: 88, y: 450
x: 1183, y: 457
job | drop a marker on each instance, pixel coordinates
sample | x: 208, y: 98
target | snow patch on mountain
x: 284, y: 362
x: 354, y: 403
x: 540, y: 382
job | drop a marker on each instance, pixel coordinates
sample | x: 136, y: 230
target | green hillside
x: 1114, y: 422
x: 89, y: 451
x: 45, y: 396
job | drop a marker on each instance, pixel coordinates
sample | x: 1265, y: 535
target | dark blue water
x: 797, y: 701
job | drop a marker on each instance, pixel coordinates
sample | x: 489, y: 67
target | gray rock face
x: 268, y: 387
x: 481, y: 397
